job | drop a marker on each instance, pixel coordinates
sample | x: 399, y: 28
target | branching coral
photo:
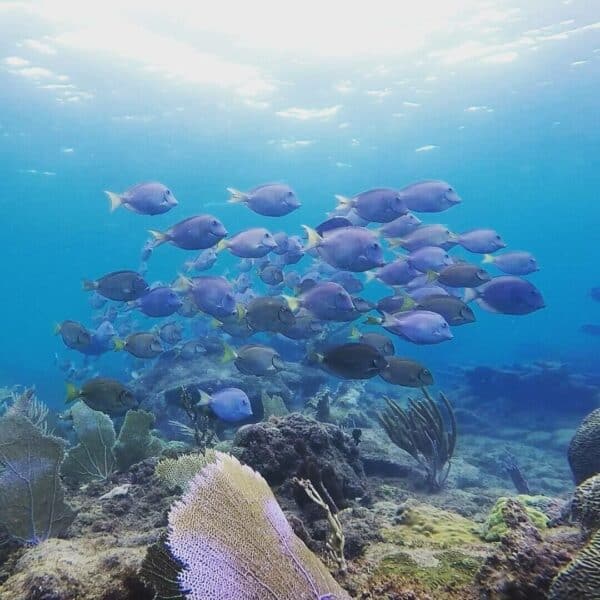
x: 422, y: 431
x: 235, y: 542
x: 335, y: 541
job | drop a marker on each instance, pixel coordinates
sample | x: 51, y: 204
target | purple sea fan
x: 235, y: 542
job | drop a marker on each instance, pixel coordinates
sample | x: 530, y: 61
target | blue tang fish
x: 229, y: 404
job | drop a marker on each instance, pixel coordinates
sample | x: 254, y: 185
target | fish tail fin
x: 118, y: 344
x: 114, y: 199
x: 314, y: 357
x: 129, y: 305
x: 240, y: 311
x: 293, y: 302
x: 354, y: 334
x: 343, y: 201
x: 221, y: 246
x: 487, y: 258
x: 228, y: 354
x: 470, y: 295
x: 57, y: 328
x: 182, y: 284
x: 395, y: 242
x: 204, y: 398
x: 88, y: 285
x: 314, y: 239
x: 408, y: 304
x: 188, y: 265
x: 432, y: 276
x: 370, y: 275
x: 236, y: 196
x: 158, y: 237
x: 72, y: 393
x: 371, y: 320
x: 216, y: 324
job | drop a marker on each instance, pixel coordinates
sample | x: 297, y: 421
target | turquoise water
x: 499, y: 100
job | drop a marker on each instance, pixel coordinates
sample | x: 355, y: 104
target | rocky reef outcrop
x: 298, y: 446
x: 525, y: 563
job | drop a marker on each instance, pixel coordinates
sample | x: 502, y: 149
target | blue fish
x: 229, y: 404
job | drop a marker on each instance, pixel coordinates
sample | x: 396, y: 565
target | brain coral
x: 585, y: 507
x: 235, y: 542
x: 580, y: 580
x: 584, y: 449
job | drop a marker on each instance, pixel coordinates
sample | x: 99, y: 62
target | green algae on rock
x: 441, y: 575
x: 495, y: 526
x: 427, y: 526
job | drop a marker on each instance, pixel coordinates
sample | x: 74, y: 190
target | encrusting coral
x: 235, y: 542
x: 584, y: 449
x: 421, y: 431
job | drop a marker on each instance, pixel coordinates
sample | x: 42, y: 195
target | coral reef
x: 100, y: 452
x: 93, y: 457
x: 584, y: 449
x: 178, y: 472
x: 235, y: 542
x: 427, y: 526
x: 298, y: 446
x: 524, y: 564
x: 496, y: 525
x: 136, y: 442
x: 580, y: 580
x: 421, y: 431
x: 32, y: 504
x: 80, y: 569
x: 585, y: 506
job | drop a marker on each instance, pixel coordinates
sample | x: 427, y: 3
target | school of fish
x: 302, y: 286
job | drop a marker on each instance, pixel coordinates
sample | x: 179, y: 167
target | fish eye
x: 497, y: 237
x: 450, y: 189
x: 445, y: 325
x: 168, y: 192
x: 215, y: 222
